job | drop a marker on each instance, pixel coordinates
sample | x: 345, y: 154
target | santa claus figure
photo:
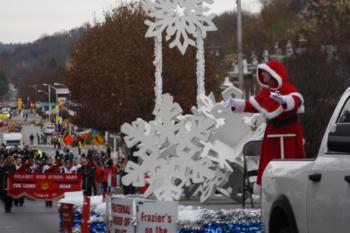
x: 280, y: 102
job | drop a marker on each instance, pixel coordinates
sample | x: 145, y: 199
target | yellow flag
x: 19, y: 103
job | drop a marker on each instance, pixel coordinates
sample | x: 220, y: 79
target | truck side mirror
x: 339, y: 138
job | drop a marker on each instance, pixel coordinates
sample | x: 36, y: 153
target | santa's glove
x: 278, y: 97
x: 231, y: 103
x: 287, y: 102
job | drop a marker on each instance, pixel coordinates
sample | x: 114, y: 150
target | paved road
x: 32, y: 129
x: 33, y: 217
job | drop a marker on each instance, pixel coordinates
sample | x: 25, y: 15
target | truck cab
x: 11, y: 140
x: 312, y: 195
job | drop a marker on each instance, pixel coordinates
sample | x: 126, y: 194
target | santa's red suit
x: 283, y: 128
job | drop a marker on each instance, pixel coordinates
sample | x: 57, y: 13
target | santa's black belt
x: 282, y: 122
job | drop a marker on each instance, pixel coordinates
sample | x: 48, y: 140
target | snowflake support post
x: 158, y: 63
x: 200, y: 65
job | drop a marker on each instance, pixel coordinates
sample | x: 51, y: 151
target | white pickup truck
x: 312, y: 196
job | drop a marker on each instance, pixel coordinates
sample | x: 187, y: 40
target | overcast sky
x: 26, y: 20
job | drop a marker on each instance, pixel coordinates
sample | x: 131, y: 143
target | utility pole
x: 49, y: 92
x: 239, y: 43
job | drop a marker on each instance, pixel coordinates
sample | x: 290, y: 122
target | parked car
x: 5, y: 113
x: 312, y: 196
x: 49, y: 128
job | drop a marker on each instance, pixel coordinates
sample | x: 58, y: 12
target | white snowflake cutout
x: 139, y: 131
x: 220, y: 153
x: 208, y: 187
x: 183, y: 19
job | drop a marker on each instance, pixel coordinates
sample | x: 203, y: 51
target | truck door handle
x: 347, y: 179
x: 316, y: 177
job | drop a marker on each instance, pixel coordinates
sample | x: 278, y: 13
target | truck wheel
x: 282, y: 217
x: 287, y: 229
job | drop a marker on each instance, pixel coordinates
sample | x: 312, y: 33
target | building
x: 62, y: 95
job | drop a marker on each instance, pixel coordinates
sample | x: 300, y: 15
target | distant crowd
x: 100, y: 172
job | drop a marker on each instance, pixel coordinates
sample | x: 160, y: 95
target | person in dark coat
x: 31, y: 138
x: 9, y: 167
x: 109, y: 152
x: 87, y: 170
x: 38, y: 138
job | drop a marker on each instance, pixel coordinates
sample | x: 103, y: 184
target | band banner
x: 42, y: 186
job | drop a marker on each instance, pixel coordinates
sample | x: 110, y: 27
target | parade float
x: 180, y: 156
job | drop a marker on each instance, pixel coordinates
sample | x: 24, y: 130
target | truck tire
x: 287, y: 230
x: 282, y: 218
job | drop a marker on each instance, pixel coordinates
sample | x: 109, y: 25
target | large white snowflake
x: 183, y: 18
x: 175, y: 151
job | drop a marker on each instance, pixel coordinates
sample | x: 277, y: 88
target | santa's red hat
x: 276, y: 70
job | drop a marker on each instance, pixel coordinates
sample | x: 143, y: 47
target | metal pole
x: 239, y: 41
x: 49, y: 103
x: 115, y: 142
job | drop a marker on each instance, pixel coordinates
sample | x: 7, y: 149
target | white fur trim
x: 289, y: 102
x: 301, y: 108
x: 268, y: 115
x: 296, y: 94
x: 240, y: 105
x: 273, y: 73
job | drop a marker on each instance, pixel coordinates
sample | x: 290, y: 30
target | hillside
x: 50, y: 51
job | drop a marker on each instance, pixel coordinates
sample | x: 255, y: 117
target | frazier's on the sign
x: 161, y: 218
x: 124, y: 209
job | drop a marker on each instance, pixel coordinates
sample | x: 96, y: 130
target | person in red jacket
x: 280, y: 102
x: 110, y: 177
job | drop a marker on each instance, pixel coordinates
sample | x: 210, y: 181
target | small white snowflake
x: 183, y: 18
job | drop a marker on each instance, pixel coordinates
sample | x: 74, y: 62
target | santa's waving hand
x: 280, y: 102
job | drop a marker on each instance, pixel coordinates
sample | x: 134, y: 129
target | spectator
x: 38, y: 138
x: 68, y: 167
x: 109, y: 152
x: 88, y: 174
x: 31, y: 139
x: 9, y: 167
x: 79, y: 146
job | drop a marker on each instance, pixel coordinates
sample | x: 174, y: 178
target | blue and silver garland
x: 208, y: 221
x: 224, y: 221
x: 97, y: 222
